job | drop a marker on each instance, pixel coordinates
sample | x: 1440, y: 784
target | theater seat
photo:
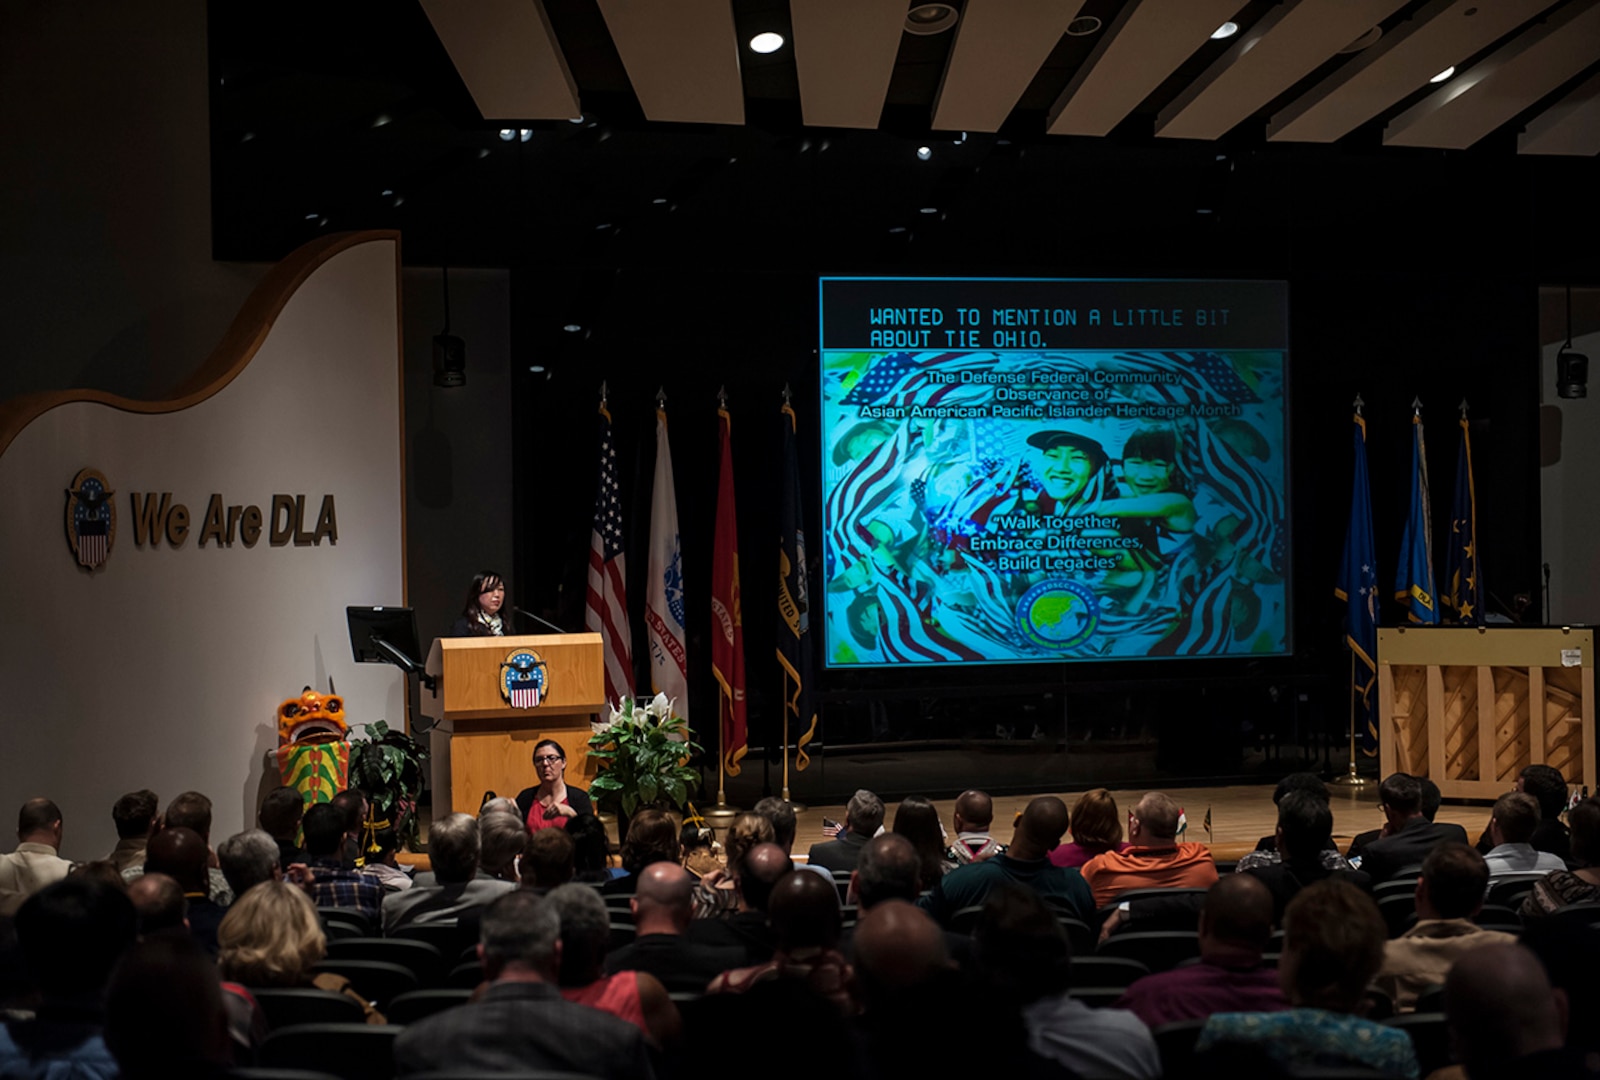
x: 375, y: 980
x: 416, y: 1004
x: 284, y: 1006
x: 1430, y: 1037
x: 422, y: 959
x: 1158, y: 950
x: 1107, y: 971
x: 1176, y: 1042
x: 349, y: 1051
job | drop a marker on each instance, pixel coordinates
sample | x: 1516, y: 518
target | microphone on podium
x: 541, y: 622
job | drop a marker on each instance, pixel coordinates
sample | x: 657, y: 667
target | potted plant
x: 643, y: 749
x: 387, y: 766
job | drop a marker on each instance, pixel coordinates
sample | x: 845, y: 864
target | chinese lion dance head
x: 313, y: 747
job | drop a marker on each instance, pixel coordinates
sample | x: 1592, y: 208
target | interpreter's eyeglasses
x: 547, y: 759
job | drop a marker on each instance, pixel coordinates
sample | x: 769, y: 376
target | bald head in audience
x: 761, y: 868
x: 804, y: 911
x: 180, y: 853
x: 39, y: 822
x: 1501, y: 1007
x: 663, y: 903
x: 897, y: 948
x: 974, y: 811
x: 1040, y: 828
x: 158, y: 900
x: 1237, y: 915
x: 888, y: 869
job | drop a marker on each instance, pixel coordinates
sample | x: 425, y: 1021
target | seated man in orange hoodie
x: 1155, y: 858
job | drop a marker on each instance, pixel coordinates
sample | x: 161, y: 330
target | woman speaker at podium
x: 480, y: 616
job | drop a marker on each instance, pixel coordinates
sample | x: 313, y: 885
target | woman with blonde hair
x: 717, y: 895
x: 1096, y: 829
x: 270, y: 937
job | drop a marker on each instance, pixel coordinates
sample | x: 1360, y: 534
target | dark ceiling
x: 327, y: 117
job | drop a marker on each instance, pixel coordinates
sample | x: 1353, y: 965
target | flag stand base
x: 1351, y: 779
x: 794, y: 804
x: 721, y: 815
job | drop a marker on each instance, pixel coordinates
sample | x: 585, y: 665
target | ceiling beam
x: 1287, y: 44
x: 507, y: 55
x: 1570, y: 127
x: 999, y: 48
x: 1144, y: 44
x: 682, y: 58
x: 1441, y: 35
x: 844, y: 52
x: 1510, y: 80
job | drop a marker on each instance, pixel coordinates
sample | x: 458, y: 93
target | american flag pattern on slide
x: 606, y: 604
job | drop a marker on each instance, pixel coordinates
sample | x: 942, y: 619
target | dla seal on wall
x: 91, y: 518
x: 524, y: 679
x: 1058, y: 614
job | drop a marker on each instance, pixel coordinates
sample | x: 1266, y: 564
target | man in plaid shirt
x: 337, y: 883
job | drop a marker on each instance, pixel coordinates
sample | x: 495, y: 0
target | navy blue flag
x: 1358, y: 588
x: 1463, y: 580
x: 1413, y: 583
x: 794, y: 617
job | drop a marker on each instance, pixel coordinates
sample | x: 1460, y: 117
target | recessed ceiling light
x: 1365, y: 41
x: 925, y: 19
x: 658, y: 201
x: 924, y: 153
x: 930, y: 209
x: 507, y: 134
x: 537, y: 369
x: 247, y: 136
x: 1202, y: 209
x: 575, y: 119
x: 897, y: 229
x: 381, y: 119
x: 1443, y: 75
x: 312, y: 216
x: 526, y: 134
x: 1226, y: 30
x: 572, y: 328
x: 767, y: 42
x: 387, y: 192
x: 1083, y: 26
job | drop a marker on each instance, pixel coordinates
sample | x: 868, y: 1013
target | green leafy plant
x: 388, y: 767
x: 644, y: 751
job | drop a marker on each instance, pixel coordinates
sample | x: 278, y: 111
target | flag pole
x: 783, y: 697
x: 1352, y: 779
x: 723, y: 813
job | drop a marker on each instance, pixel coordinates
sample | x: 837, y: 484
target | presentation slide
x: 1020, y: 470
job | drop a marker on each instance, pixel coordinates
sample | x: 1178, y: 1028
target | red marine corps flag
x: 727, y: 635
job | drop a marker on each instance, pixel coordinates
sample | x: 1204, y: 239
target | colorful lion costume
x: 313, y: 751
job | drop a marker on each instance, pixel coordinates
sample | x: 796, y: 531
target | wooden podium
x: 491, y: 744
x: 1471, y: 707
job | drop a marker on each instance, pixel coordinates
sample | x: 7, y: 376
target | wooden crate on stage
x: 1471, y: 707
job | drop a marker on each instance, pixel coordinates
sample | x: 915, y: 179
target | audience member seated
x: 165, y: 1012
x: 522, y: 1023
x: 453, y: 847
x: 1026, y: 959
x: 917, y: 820
x: 1570, y: 954
x: 1333, y: 946
x: 762, y: 867
x: 70, y: 934
x: 635, y: 996
x: 863, y: 817
x: 1582, y: 886
x: 383, y: 863
x: 780, y: 812
x: 1408, y: 834
x: 1549, y: 789
x: 652, y: 838
x: 353, y: 804
x: 1266, y: 852
x: 247, y: 859
x: 1096, y: 829
x: 546, y: 860
x: 1512, y: 826
x: 335, y: 883
x: 890, y: 869
x: 1449, y: 894
x: 136, y: 816
x: 101, y: 870
x: 973, y: 815
x: 1506, y: 1023
x: 663, y: 908
x: 1155, y: 858
x: 502, y: 838
x: 1305, y: 831
x: 699, y: 854
x: 1026, y: 863
x: 158, y: 901
x: 35, y: 863
x: 717, y: 896
x: 192, y: 810
x: 1235, y: 927
x: 804, y: 911
x: 271, y: 937
x: 279, y: 817
x: 181, y: 854
x: 591, y: 851
x: 1432, y: 799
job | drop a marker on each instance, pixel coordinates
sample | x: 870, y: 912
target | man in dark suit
x: 523, y: 1022
x: 1408, y: 835
x: 662, y: 907
x: 863, y: 819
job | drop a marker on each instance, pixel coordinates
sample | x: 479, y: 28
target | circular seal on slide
x: 1058, y: 614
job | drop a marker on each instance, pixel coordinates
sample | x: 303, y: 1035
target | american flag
x: 606, y: 607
